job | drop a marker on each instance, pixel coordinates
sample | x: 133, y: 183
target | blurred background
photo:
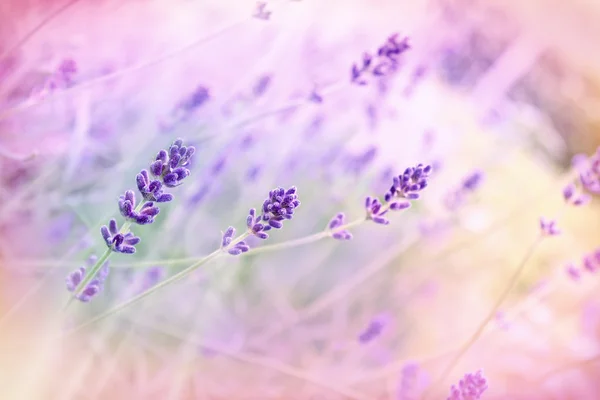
x: 90, y: 91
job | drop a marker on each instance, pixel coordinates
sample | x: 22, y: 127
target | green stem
x: 98, y: 265
x: 180, y: 275
x: 306, y: 239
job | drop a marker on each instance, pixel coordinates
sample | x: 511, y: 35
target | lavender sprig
x: 471, y: 387
x: 168, y: 170
x: 382, y: 63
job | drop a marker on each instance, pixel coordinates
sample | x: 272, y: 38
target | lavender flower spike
x: 471, y: 387
x: 278, y: 207
x: 93, y: 287
x: 405, y: 187
x: 116, y: 241
x: 548, y: 227
x: 337, y: 221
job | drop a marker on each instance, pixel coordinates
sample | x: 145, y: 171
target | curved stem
x: 511, y: 284
x: 177, y: 277
x: 98, y: 265
x: 315, y: 237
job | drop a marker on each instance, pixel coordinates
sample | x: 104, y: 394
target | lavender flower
x: 471, y: 387
x: 405, y: 186
x: 261, y: 86
x: 573, y: 272
x: 117, y: 241
x: 146, y: 214
x: 458, y: 196
x: 279, y: 206
x: 169, y: 166
x: 152, y: 190
x: 194, y: 100
x: 94, y: 287
x: 574, y: 197
x: 261, y: 12
x: 548, y: 227
x: 374, y: 329
x: 385, y: 61
x: 337, y: 221
x: 412, y: 181
x: 589, y: 171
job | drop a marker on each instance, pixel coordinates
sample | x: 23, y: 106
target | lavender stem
x: 177, y: 277
x: 94, y: 270
x: 315, y: 237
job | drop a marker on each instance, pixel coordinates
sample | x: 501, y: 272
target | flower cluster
x: 385, y: 61
x: 278, y: 207
x: 337, y: 221
x: 589, y: 179
x: 168, y: 170
x: 117, y: 241
x: 471, y: 387
x: 94, y: 287
x: 260, y: 12
x: 590, y: 263
x: 457, y: 197
x: 405, y: 186
x: 589, y: 172
x: 237, y: 248
x: 374, y: 329
x: 549, y: 227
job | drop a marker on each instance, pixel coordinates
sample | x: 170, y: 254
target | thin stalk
x: 315, y: 237
x: 180, y: 275
x: 491, y: 315
x: 94, y: 270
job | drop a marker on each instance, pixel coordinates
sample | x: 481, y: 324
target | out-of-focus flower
x: 260, y: 12
x: 549, y: 227
x: 589, y: 171
x: 458, y: 196
x: 381, y: 64
x: 471, y: 387
x: 94, y: 287
x: 337, y: 221
x: 374, y: 329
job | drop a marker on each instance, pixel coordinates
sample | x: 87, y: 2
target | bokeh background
x: 510, y: 89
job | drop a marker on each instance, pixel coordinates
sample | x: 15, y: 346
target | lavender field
x: 299, y: 200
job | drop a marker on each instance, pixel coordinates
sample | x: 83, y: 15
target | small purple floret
x: 94, y: 287
x: 471, y: 387
x: 336, y: 222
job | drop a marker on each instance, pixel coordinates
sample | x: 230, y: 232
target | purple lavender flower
x: 117, y: 241
x: 574, y: 197
x: 406, y: 186
x: 337, y: 221
x: 471, y: 387
x: 573, y: 272
x: 279, y: 206
x: 374, y: 329
x: 383, y: 63
x: 170, y: 164
x: 94, y: 287
x: 589, y: 171
x: 410, y: 183
x: 196, y: 99
x: 142, y: 217
x: 457, y: 197
x: 591, y: 261
x: 261, y: 12
x: 152, y: 190
x: 549, y: 227
x: 261, y: 86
